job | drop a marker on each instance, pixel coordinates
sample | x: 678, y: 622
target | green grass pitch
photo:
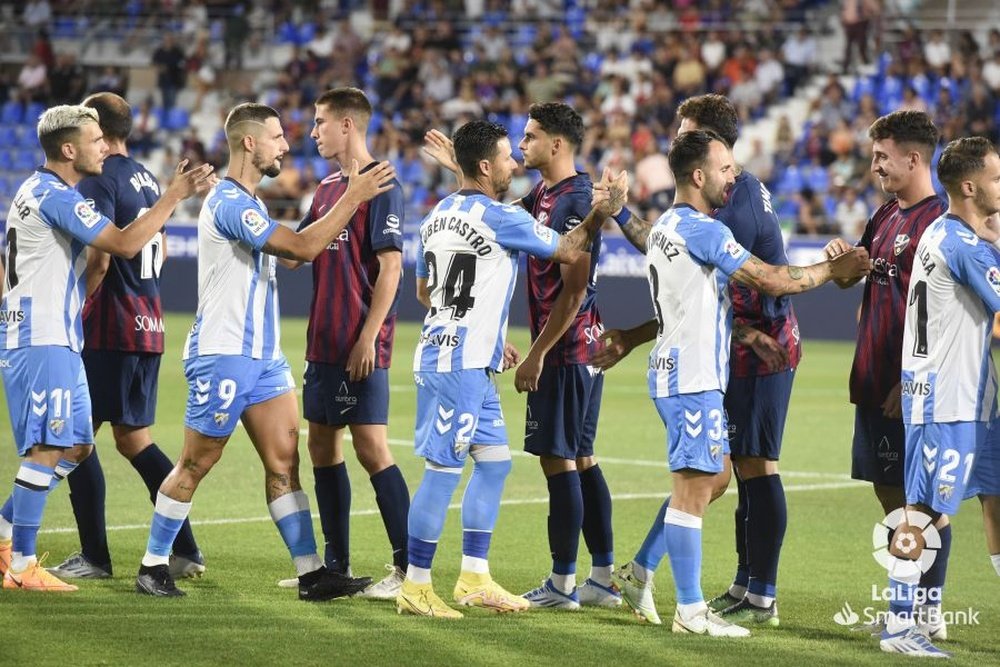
x: 237, y: 615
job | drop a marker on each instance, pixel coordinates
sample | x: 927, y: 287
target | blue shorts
x: 561, y: 417
x: 756, y: 408
x: 455, y: 411
x: 330, y: 398
x: 697, y: 437
x: 222, y: 386
x: 123, y: 386
x: 877, y: 455
x: 939, y: 462
x: 985, y: 478
x: 47, y: 397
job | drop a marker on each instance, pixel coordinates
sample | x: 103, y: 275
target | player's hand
x: 526, y: 377
x: 361, y: 360
x: 774, y: 356
x: 440, y: 148
x: 617, y: 192
x: 851, y: 265
x: 511, y: 357
x: 892, y: 406
x: 836, y: 247
x: 193, y: 181
x: 368, y: 185
x: 602, y: 190
x: 616, y: 347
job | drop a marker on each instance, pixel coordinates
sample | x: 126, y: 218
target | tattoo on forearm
x: 795, y: 272
x: 637, y: 232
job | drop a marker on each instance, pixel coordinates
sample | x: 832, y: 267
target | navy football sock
x: 767, y: 518
x: 565, y: 520
x: 740, y: 519
x: 333, y: 497
x: 87, y: 492
x: 393, y: 500
x: 154, y: 466
x: 597, y: 530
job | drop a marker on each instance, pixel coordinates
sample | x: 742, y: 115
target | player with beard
x: 232, y: 357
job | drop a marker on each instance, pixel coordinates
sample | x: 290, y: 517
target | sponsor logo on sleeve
x: 572, y: 222
x: 391, y: 225
x: 543, y: 233
x: 733, y: 249
x: 86, y: 214
x: 993, y: 278
x: 254, y: 221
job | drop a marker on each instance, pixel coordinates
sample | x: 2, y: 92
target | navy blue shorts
x: 878, y: 453
x: 330, y: 398
x: 756, y: 408
x: 561, y: 417
x: 122, y: 386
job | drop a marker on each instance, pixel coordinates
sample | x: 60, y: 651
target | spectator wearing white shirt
x: 937, y: 52
x: 770, y: 74
x: 799, y: 52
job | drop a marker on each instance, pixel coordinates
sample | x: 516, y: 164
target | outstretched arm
x: 780, y: 280
x: 578, y: 241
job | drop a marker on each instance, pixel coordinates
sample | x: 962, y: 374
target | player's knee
x: 323, y: 453
x: 492, y: 462
x: 585, y: 463
x: 78, y: 453
x: 991, y: 507
x: 553, y: 465
x: 373, y: 455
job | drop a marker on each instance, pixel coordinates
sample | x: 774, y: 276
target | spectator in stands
x: 912, y: 101
x: 770, y: 76
x: 980, y: 113
x: 654, y: 182
x: 32, y: 81
x: 110, y: 80
x: 169, y: 61
x: 937, y: 53
x: 851, y: 213
x: 991, y: 72
x: 67, y: 80
x: 761, y: 161
x: 812, y: 218
x: 689, y: 73
x: 855, y: 17
x: 237, y: 31
x: 799, y: 52
x: 37, y: 14
x: 144, y: 128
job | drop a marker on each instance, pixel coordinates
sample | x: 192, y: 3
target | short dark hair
x: 907, y: 127
x: 348, y: 101
x: 475, y: 141
x: 689, y: 152
x: 115, y: 115
x: 558, y: 119
x: 248, y: 111
x: 962, y: 158
x: 713, y: 112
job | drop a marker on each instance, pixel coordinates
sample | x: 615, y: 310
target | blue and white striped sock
x: 290, y: 514
x: 168, y: 517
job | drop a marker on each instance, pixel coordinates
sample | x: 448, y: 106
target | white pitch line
x: 513, y: 501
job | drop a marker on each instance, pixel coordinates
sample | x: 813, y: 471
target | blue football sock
x: 290, y: 514
x: 654, y: 547
x: 742, y: 578
x: 7, y: 518
x: 31, y: 489
x: 393, y: 499
x: 153, y: 467
x: 481, y: 502
x: 428, y: 511
x: 932, y: 581
x: 87, y: 491
x: 168, y: 516
x: 767, y: 518
x: 333, y: 498
x: 900, y: 604
x: 597, y: 530
x: 565, y: 520
x: 683, y: 537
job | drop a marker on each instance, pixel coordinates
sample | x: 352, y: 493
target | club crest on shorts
x: 57, y: 425
x: 221, y: 418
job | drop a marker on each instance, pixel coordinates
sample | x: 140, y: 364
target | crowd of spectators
x: 624, y: 66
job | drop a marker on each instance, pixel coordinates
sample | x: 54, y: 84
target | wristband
x: 623, y: 216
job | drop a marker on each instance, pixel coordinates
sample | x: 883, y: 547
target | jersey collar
x: 46, y: 170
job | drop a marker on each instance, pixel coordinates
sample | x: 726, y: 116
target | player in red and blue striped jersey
x: 352, y: 321
x: 123, y: 344
x: 902, y: 152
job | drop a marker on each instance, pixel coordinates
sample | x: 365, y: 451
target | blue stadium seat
x: 8, y: 136
x: 12, y: 113
x: 177, y: 118
x: 817, y: 178
x: 6, y: 159
x: 321, y: 167
x: 865, y: 85
x: 31, y: 113
x: 375, y: 124
x: 63, y: 28
x: 28, y: 138
x: 790, y: 182
x: 305, y: 33
x: 25, y: 159
x: 287, y: 33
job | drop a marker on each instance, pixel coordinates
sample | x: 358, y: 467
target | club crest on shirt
x: 87, y: 215
x: 899, y: 245
x: 993, y: 278
x: 254, y: 221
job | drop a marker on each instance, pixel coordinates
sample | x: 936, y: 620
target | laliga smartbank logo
x: 918, y: 543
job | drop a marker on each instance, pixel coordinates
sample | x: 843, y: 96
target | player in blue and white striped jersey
x: 949, y: 383
x: 691, y: 258
x: 469, y: 246
x: 41, y: 330
x: 232, y: 357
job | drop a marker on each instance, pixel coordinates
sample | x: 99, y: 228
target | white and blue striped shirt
x: 49, y: 226
x: 468, y: 253
x: 948, y: 373
x: 237, y: 286
x: 690, y: 257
